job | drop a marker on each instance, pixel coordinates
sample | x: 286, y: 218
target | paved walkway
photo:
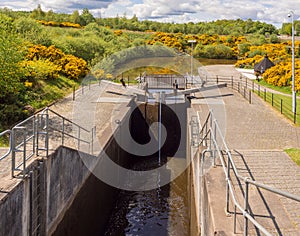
x: 257, y: 135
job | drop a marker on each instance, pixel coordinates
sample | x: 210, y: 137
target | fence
x: 165, y: 81
x: 40, y: 133
x: 246, y: 87
x: 210, y: 136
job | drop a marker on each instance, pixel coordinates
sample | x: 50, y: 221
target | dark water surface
x: 161, y: 211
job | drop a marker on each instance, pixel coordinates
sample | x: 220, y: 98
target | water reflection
x: 162, y: 211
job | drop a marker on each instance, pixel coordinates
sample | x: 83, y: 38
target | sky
x: 179, y: 11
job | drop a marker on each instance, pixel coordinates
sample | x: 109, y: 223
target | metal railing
x: 3, y: 134
x: 211, y: 137
x: 35, y: 134
x: 246, y: 87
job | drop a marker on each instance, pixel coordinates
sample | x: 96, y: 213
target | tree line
x: 44, y: 54
x: 221, y: 27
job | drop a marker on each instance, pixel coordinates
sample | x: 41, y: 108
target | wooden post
x: 73, y: 93
x: 250, y: 96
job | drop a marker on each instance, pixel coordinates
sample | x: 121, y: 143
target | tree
x: 86, y: 17
x: 12, y: 90
x: 38, y: 13
x: 75, y: 17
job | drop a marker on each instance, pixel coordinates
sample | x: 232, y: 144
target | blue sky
x: 270, y: 11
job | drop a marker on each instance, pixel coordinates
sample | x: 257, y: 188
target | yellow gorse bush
x: 57, y: 24
x: 281, y: 74
x: 280, y: 53
x: 40, y: 56
x: 40, y: 69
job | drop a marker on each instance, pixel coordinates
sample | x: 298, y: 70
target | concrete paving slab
x: 258, y: 134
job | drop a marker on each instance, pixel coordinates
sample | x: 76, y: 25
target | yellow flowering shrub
x: 281, y: 74
x: 40, y: 69
x: 74, y: 67
x: 118, y: 32
x: 280, y: 53
x: 98, y: 73
x: 57, y: 24
x: 66, y: 64
x: 109, y: 76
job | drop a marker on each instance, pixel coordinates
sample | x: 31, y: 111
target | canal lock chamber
x: 156, y: 205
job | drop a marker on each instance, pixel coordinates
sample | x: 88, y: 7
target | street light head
x: 291, y: 14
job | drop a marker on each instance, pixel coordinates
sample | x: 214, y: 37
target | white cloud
x: 270, y: 11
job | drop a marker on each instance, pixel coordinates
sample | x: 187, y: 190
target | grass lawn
x: 294, y: 154
x: 282, y: 103
x: 286, y: 90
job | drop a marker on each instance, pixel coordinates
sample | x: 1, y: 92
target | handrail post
x: 47, y: 133
x: 63, y: 132
x: 246, y: 207
x: 215, y: 135
x: 92, y: 144
x: 24, y: 150
x: 210, y: 135
x: 78, y: 137
x: 234, y: 220
x: 227, y: 183
x: 34, y: 124
x: 13, y: 153
x: 250, y: 99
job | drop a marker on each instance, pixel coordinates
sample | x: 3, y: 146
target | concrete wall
x: 193, y: 181
x: 11, y: 207
x: 201, y: 218
x: 60, y: 196
x: 40, y: 199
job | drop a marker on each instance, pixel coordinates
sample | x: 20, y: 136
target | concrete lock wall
x: 60, y: 196
x: 200, y: 208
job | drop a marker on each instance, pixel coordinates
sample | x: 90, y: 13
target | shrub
x: 74, y: 67
x: 40, y: 69
x: 67, y: 64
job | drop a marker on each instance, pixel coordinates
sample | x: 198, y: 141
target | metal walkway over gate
x: 165, y: 81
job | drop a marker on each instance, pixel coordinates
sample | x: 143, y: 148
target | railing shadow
x: 262, y: 197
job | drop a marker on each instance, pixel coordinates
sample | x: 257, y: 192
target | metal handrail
x: 39, y: 126
x: 212, y: 132
x: 9, y: 147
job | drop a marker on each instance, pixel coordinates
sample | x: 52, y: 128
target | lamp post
x: 192, y: 41
x: 294, y: 102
